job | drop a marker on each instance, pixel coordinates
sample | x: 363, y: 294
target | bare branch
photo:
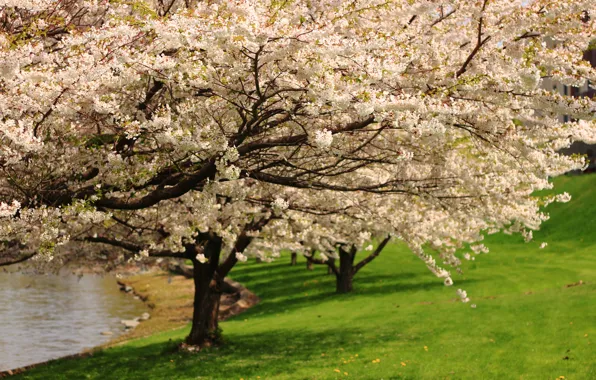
x: 372, y: 256
x: 479, y: 43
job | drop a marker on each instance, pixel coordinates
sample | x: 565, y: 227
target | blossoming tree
x: 174, y: 129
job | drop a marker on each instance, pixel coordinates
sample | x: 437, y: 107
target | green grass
x: 527, y: 323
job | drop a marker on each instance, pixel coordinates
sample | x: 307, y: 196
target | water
x: 46, y: 317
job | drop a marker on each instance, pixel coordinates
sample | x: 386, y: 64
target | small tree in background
x: 348, y: 267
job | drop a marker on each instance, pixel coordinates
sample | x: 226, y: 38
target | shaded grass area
x: 531, y: 321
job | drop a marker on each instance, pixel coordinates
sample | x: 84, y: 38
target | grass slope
x: 401, y: 322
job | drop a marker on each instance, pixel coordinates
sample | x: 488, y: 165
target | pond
x: 46, y: 317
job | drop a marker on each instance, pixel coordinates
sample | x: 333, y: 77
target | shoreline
x: 121, y: 338
x: 169, y: 298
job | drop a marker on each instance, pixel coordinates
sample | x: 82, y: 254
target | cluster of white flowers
x: 480, y: 248
x: 8, y: 210
x: 21, y: 134
x: 563, y: 197
x: 530, y: 79
x: 231, y: 154
x: 241, y: 257
x: 225, y: 168
x: 279, y: 205
x: 31, y: 5
x: 323, y: 139
x: 463, y: 295
x: 405, y: 155
x: 93, y: 216
x: 229, y: 172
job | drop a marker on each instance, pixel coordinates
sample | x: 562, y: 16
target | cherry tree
x: 178, y: 128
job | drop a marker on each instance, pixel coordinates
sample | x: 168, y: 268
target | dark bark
x: 294, y: 259
x: 330, y: 267
x: 347, y: 270
x: 345, y: 273
x: 205, y: 330
x: 208, y: 279
x: 479, y: 43
x: 14, y: 253
x: 181, y: 269
x: 344, y: 283
x: 309, y: 265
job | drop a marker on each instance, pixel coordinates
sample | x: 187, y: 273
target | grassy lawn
x: 401, y: 322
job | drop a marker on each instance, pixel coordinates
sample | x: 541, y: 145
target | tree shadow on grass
x: 284, y: 288
x: 282, y: 296
x: 257, y: 276
x: 266, y: 354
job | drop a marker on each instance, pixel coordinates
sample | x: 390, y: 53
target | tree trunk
x: 294, y: 259
x: 309, y: 265
x: 205, y: 330
x: 330, y: 266
x: 344, y: 282
x: 345, y: 274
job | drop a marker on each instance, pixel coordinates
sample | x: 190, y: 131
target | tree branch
x: 242, y: 242
x: 133, y: 247
x: 479, y: 43
x: 331, y: 264
x: 372, y: 256
x: 313, y: 260
x: 160, y: 194
x: 19, y: 260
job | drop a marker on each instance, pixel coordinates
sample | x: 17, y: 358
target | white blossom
x: 279, y: 205
x: 241, y: 257
x: 563, y: 197
x: 8, y: 210
x: 323, y: 139
x: 463, y: 295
